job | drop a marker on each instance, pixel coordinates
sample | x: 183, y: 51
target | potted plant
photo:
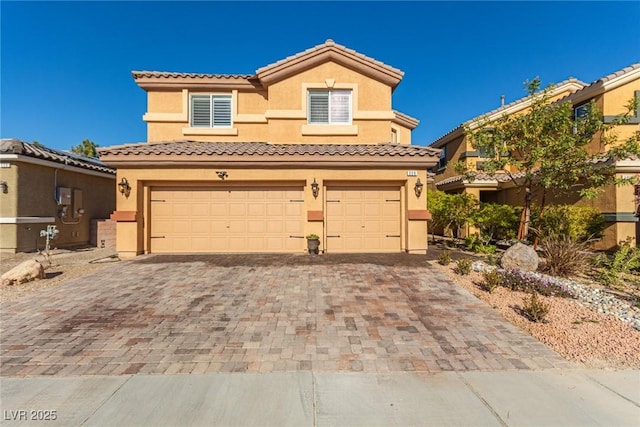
x: 313, y: 242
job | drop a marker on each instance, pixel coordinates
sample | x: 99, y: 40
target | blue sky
x: 66, y: 67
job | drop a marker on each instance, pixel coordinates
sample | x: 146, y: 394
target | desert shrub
x: 463, y: 266
x: 493, y: 259
x: 491, y: 279
x: 529, y: 281
x: 444, y: 258
x: 476, y: 244
x: 450, y: 211
x: 495, y: 221
x: 578, y: 222
x: 564, y: 255
x: 536, y: 309
x: 624, y: 261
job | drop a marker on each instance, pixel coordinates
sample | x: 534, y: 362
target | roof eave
x: 298, y: 63
x: 258, y: 161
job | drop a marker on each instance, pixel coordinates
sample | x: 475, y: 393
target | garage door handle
x: 296, y: 237
x: 296, y: 201
x: 392, y: 200
x: 334, y: 236
x: 393, y: 235
x: 158, y: 200
x: 333, y: 201
x: 157, y: 237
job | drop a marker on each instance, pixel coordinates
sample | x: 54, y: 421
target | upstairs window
x: 329, y: 107
x: 581, y: 111
x: 211, y: 110
x: 442, y: 163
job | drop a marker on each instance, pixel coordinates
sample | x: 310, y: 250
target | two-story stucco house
x: 254, y: 163
x: 611, y: 94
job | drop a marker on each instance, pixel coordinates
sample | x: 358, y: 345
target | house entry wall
x: 363, y: 219
x: 232, y: 219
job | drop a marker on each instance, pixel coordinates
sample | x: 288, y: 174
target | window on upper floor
x: 581, y: 111
x: 329, y: 107
x: 443, y: 158
x: 211, y: 110
x: 486, y: 153
x: 394, y: 136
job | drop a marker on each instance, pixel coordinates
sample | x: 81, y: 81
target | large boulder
x: 520, y: 256
x: 23, y: 272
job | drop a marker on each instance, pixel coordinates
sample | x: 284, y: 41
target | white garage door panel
x: 363, y: 219
x: 192, y: 219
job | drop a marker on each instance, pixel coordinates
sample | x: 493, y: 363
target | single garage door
x: 205, y: 219
x: 363, y: 219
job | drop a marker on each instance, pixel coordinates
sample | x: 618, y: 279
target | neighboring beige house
x: 40, y: 186
x: 611, y: 93
x: 254, y: 163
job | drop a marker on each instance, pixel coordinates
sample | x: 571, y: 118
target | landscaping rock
x: 520, y: 256
x: 24, y: 272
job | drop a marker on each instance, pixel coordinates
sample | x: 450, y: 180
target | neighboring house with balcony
x: 611, y: 94
x: 255, y: 162
x: 40, y: 186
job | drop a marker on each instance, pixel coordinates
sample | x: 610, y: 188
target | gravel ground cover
x: 579, y: 333
x: 65, y: 264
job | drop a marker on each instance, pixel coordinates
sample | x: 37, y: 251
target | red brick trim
x: 421, y: 215
x: 124, y: 216
x: 315, y: 216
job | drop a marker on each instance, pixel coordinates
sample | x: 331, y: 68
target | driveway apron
x: 261, y: 313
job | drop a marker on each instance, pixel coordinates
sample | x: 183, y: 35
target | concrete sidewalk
x: 571, y: 397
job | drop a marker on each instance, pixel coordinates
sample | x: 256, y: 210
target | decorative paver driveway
x: 261, y: 313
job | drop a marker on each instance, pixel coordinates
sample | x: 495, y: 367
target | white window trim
x: 232, y: 114
x: 329, y: 92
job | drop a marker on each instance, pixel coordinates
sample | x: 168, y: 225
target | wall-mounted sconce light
x: 124, y: 187
x: 315, y: 188
x: 418, y: 188
x: 4, y: 187
x: 222, y: 174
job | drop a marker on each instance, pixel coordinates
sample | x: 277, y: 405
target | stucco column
x: 129, y: 217
x: 314, y: 207
x: 417, y: 214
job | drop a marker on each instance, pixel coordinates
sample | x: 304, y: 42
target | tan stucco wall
x: 34, y: 196
x: 279, y: 115
x: 614, y: 103
x: 9, y: 200
x: 164, y: 101
x: 133, y: 238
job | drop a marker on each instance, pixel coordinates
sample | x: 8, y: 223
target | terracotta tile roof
x: 329, y: 44
x: 481, y: 176
x: 196, y: 148
x: 618, y: 73
x: 169, y: 75
x: 15, y: 146
x: 505, y: 107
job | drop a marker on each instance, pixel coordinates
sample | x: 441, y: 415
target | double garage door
x: 227, y: 219
x: 246, y: 219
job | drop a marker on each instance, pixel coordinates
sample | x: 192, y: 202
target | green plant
x: 313, y: 236
x: 536, y: 309
x: 491, y: 279
x: 580, y: 223
x: 444, y: 258
x: 463, y: 266
x: 493, y: 259
x: 478, y: 245
x: 450, y: 211
x: 495, y: 221
x: 564, y: 255
x: 625, y: 260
